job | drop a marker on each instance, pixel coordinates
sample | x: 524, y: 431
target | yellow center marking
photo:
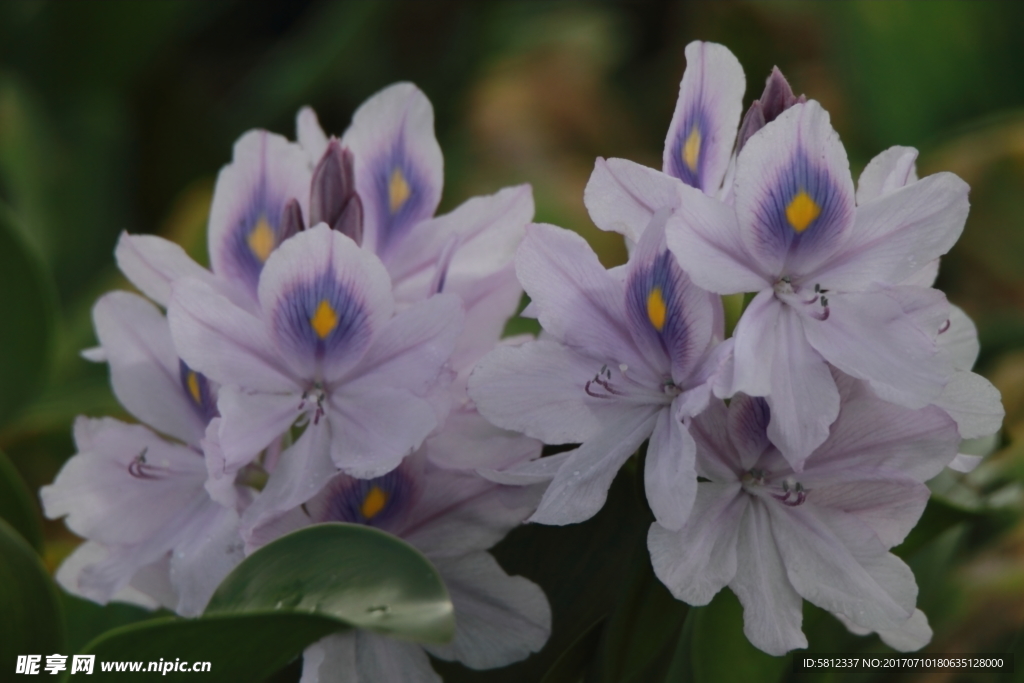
x: 691, y: 149
x: 398, y: 190
x: 802, y: 210
x: 193, y: 387
x: 374, y: 502
x: 324, y: 320
x: 261, y: 239
x: 656, y: 309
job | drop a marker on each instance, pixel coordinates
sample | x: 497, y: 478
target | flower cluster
x: 848, y: 376
x: 331, y: 364
x: 317, y: 372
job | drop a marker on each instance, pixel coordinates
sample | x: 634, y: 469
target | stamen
x: 945, y: 326
x: 140, y: 469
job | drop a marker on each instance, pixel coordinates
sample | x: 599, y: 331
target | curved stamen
x: 140, y: 469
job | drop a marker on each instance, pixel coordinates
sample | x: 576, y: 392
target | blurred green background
x: 117, y: 116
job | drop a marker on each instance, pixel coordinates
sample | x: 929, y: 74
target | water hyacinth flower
x: 390, y: 160
x: 628, y: 354
x: 154, y: 534
x: 829, y: 275
x: 323, y: 352
x: 452, y: 517
x: 398, y: 173
x: 776, y: 536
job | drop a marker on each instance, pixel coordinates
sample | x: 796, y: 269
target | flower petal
x: 376, y: 427
x: 468, y: 441
x: 804, y: 400
x: 756, y: 338
x: 323, y: 300
x: 898, y: 234
x: 577, y: 301
x: 838, y: 563
x: 365, y: 657
x: 974, y: 403
x: 703, y: 130
x: 580, y: 488
x: 310, y: 135
x: 706, y: 237
x: 772, y: 609
x: 204, y: 558
x: 222, y: 341
x: 697, y: 561
x: 868, y: 335
x: 794, y: 193
x: 622, y: 196
x: 249, y: 423
x: 121, y: 467
x: 538, y: 389
x: 152, y: 263
x: 500, y: 619
x: 265, y: 173
x: 960, y: 340
x: 892, y: 169
x: 144, y: 367
x: 668, y: 314
x: 398, y: 163
x: 670, y: 479
x: 748, y: 428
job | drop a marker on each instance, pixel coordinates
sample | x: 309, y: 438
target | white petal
x: 670, y: 479
x: 499, y: 618
x: 892, y: 169
x: 974, y: 403
x: 580, y: 488
x: 310, y: 135
x: 772, y: 609
x: 623, y: 196
x: 152, y: 263
x: 697, y: 561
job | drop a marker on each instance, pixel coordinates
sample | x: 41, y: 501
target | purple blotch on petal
x: 689, y: 149
x: 377, y: 502
x: 803, y: 208
x: 655, y: 303
x: 321, y: 318
x: 198, y: 392
x: 401, y: 200
x: 257, y: 232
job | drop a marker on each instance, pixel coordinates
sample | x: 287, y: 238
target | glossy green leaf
x: 240, y: 648
x: 27, y: 314
x: 354, y: 574
x: 30, y: 615
x: 16, y: 505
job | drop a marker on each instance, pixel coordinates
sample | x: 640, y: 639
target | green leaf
x: 240, y: 648
x: 31, y: 620
x: 354, y: 574
x: 938, y: 517
x: 16, y: 504
x: 27, y: 312
x: 720, y: 651
x: 572, y: 664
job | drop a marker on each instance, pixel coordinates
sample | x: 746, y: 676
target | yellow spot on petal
x: 261, y: 239
x: 193, y: 387
x: 691, y: 149
x: 398, y: 190
x: 374, y: 502
x: 656, y: 309
x: 802, y: 210
x: 324, y: 320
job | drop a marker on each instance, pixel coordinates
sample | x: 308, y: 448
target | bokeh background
x: 117, y: 116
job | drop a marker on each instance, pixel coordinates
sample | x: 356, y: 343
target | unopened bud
x: 333, y: 199
x: 777, y: 97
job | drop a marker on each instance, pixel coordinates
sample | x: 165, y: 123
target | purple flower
x: 453, y: 518
x: 830, y: 276
x: 323, y: 352
x: 154, y: 534
x: 626, y: 356
x: 776, y: 536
